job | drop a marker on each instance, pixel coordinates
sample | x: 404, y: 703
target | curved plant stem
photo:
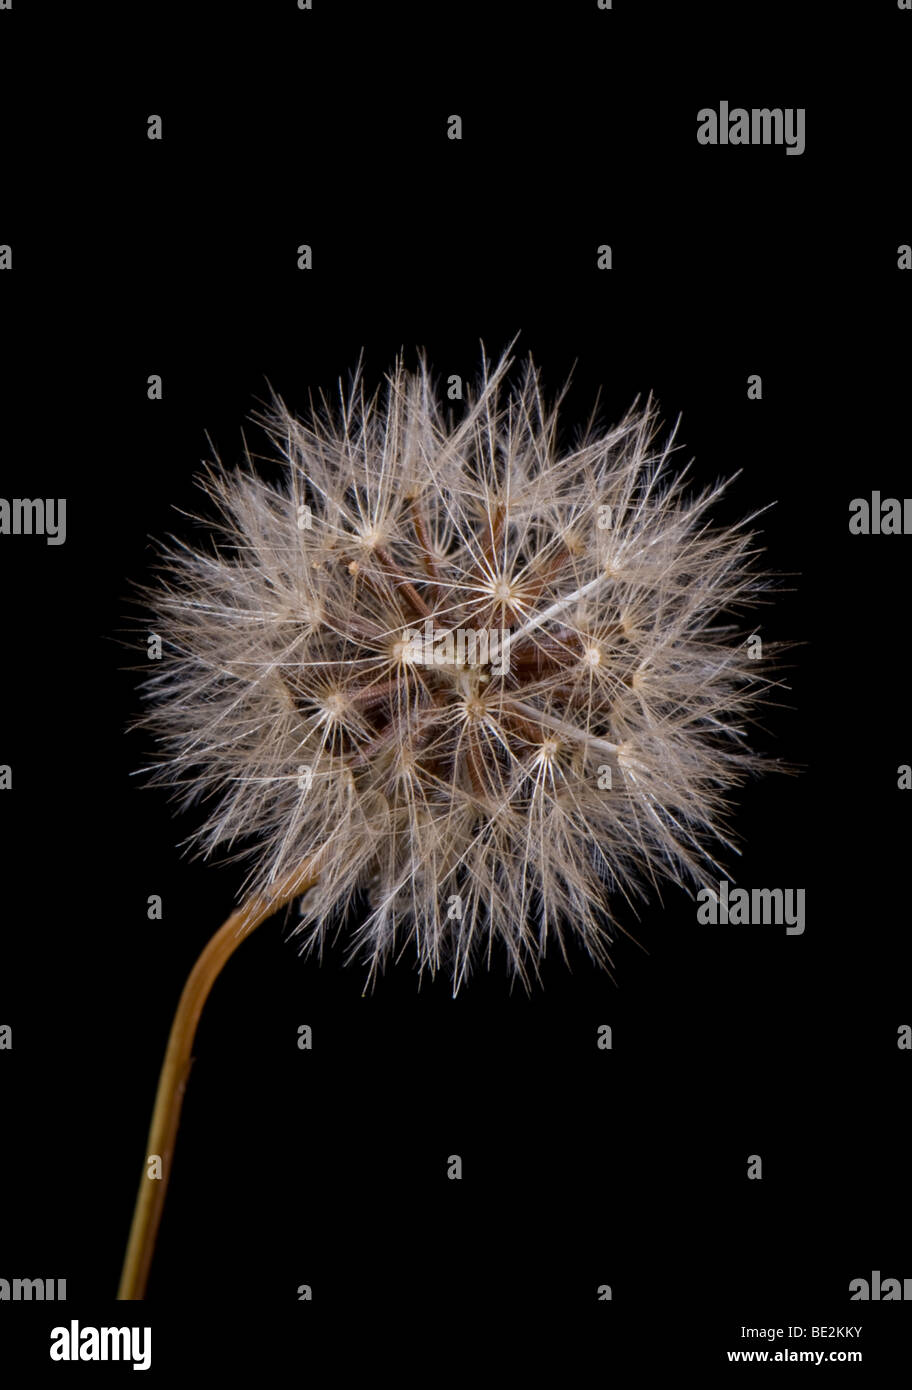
x: 176, y: 1069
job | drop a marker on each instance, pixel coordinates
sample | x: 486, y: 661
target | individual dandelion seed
x: 497, y: 684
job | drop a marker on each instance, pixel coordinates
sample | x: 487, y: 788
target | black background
x: 581, y: 1167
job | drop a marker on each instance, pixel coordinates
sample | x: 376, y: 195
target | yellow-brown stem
x: 175, y: 1070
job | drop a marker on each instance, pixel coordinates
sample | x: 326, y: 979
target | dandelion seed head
x: 342, y: 685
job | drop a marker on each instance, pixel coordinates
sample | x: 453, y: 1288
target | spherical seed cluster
x: 487, y: 678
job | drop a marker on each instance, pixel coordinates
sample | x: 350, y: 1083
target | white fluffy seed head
x: 494, y: 679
